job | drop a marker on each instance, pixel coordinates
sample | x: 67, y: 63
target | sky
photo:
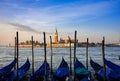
x: 92, y: 19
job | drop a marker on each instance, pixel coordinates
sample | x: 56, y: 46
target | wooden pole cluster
x: 75, y: 54
x: 103, y: 57
x: 17, y: 52
x: 87, y: 54
x: 51, y: 53
x: 45, y: 54
x: 32, y: 55
x: 16, y: 55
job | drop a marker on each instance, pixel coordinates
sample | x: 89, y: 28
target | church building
x: 61, y: 42
x: 56, y: 37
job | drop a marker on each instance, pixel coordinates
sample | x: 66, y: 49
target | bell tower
x: 56, y: 36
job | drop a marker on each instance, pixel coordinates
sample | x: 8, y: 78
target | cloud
x: 51, y: 16
x: 42, y: 18
x: 20, y: 27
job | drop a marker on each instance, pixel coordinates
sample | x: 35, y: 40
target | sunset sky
x: 91, y: 18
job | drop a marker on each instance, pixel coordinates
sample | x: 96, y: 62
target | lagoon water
x: 7, y: 55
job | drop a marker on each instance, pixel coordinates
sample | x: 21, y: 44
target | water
x: 7, y: 55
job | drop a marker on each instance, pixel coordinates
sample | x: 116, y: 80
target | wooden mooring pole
x: 75, y: 55
x: 45, y: 54
x: 103, y: 57
x: 70, y: 57
x: 51, y: 53
x: 87, y: 54
x: 17, y: 52
x: 32, y: 55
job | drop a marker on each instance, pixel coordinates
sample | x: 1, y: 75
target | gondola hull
x: 12, y: 76
x: 113, y: 66
x: 99, y: 73
x: 40, y: 73
x: 7, y: 68
x: 81, y: 71
x: 62, y: 72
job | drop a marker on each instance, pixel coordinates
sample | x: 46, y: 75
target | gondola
x: 40, y: 73
x: 12, y: 76
x: 95, y: 65
x: 62, y: 72
x: 85, y: 79
x: 96, y: 68
x: 81, y: 71
x: 113, y: 66
x: 7, y: 68
x: 99, y: 72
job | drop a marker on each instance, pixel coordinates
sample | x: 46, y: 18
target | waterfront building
x: 62, y: 42
x: 56, y: 42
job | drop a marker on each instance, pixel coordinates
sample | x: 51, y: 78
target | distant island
x: 61, y: 43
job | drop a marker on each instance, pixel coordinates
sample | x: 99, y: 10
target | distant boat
x: 111, y: 75
x: 12, y: 76
x: 81, y: 72
x: 39, y: 74
x: 62, y: 72
x: 7, y: 68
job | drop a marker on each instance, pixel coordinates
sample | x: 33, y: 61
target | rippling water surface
x: 7, y: 55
